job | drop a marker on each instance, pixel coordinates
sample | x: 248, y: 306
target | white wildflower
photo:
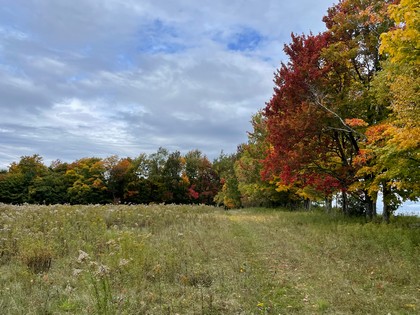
x: 102, y: 270
x: 83, y: 256
x: 123, y: 262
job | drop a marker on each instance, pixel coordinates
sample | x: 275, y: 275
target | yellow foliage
x: 185, y: 179
x: 308, y: 192
x: 282, y: 187
x: 403, y: 43
x: 406, y: 138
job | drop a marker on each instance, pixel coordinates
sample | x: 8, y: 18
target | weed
x: 36, y: 255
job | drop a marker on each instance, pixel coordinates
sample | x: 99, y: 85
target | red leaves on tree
x: 192, y: 193
x: 295, y: 124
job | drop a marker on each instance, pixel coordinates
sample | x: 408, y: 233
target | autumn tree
x: 87, y: 176
x: 322, y: 103
x: 248, y: 167
x: 229, y: 195
x: 202, y: 179
x: 117, y: 176
x: 395, y: 144
x: 306, y: 147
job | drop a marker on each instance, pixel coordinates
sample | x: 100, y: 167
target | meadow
x: 168, y: 259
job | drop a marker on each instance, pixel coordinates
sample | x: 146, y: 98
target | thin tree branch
x: 318, y: 101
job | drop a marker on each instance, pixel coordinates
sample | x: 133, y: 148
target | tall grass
x: 201, y: 260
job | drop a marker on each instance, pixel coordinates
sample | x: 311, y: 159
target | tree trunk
x: 370, y: 205
x: 386, y: 191
x: 328, y: 204
x: 374, y: 209
x: 345, y: 205
x: 307, y: 204
x: 374, y: 200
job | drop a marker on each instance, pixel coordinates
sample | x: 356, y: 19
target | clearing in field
x: 201, y: 260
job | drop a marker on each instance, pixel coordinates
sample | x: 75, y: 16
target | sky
x: 95, y: 78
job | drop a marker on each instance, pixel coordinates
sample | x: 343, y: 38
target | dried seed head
x: 83, y: 256
x: 123, y: 262
x: 102, y: 271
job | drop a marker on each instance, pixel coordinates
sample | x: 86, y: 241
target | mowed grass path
x: 203, y: 260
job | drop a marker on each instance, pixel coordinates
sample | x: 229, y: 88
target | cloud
x: 95, y: 78
x: 158, y: 37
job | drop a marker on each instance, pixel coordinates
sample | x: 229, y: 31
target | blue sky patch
x: 124, y: 61
x: 158, y: 37
x: 245, y: 40
x: 77, y: 78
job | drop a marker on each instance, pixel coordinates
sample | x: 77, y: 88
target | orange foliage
x: 356, y: 122
x: 378, y: 133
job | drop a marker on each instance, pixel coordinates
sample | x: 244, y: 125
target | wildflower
x: 93, y: 264
x: 123, y: 262
x: 102, y: 271
x: 45, y: 278
x: 69, y: 288
x: 83, y: 256
x: 110, y: 242
x: 77, y: 272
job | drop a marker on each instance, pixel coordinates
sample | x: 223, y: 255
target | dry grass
x: 202, y: 260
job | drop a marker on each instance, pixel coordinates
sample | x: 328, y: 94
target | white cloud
x: 10, y: 32
x: 90, y: 77
x: 50, y: 65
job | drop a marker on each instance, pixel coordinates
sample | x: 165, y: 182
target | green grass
x: 202, y: 260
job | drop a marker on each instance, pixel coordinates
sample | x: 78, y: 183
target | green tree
x: 229, y: 194
x: 249, y: 166
x: 139, y: 187
x: 16, y: 184
x: 52, y: 187
x: 88, y: 183
x: 176, y: 190
x: 155, y: 167
x: 12, y: 188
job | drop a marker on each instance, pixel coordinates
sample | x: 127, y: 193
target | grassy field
x: 202, y: 260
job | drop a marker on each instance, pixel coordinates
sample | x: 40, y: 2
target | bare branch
x: 317, y: 99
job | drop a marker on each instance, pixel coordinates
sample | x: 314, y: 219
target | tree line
x: 161, y: 177
x: 343, y: 123
x: 158, y: 177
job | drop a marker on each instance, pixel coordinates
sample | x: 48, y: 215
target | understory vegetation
x: 172, y: 259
